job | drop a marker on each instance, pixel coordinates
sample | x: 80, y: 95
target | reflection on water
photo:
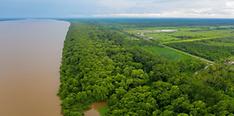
x: 30, y: 52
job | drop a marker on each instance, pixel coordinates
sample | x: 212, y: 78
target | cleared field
x: 183, y: 34
x: 213, y: 49
x: 213, y: 43
x: 167, y: 53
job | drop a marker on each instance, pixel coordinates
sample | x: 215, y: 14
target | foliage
x: 103, y: 64
x: 214, y: 49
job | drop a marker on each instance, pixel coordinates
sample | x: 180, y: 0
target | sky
x: 117, y: 8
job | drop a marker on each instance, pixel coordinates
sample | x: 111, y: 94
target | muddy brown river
x: 30, y: 55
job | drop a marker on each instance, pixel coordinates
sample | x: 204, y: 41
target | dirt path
x: 93, y: 111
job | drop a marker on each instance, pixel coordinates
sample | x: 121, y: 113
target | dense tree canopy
x: 103, y: 64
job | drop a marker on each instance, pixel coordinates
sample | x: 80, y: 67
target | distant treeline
x: 10, y: 19
x: 155, y: 22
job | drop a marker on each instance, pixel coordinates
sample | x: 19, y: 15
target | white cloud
x: 137, y: 15
x: 166, y: 8
x: 116, y: 4
x: 182, y: 13
x: 230, y: 4
x: 119, y: 8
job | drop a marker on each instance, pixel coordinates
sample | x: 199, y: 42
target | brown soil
x: 93, y: 111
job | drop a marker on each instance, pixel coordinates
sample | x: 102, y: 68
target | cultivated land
x: 148, y: 68
x: 211, y: 43
x: 184, y: 34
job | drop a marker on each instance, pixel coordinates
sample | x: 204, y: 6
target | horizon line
x: 12, y: 18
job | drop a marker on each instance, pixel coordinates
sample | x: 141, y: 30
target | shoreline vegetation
x: 101, y: 63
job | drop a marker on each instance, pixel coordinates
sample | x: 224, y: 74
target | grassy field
x: 210, y: 43
x: 166, y: 52
x: 183, y: 34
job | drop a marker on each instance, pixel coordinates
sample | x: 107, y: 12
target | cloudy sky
x: 117, y: 8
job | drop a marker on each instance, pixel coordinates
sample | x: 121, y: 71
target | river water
x: 30, y: 55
